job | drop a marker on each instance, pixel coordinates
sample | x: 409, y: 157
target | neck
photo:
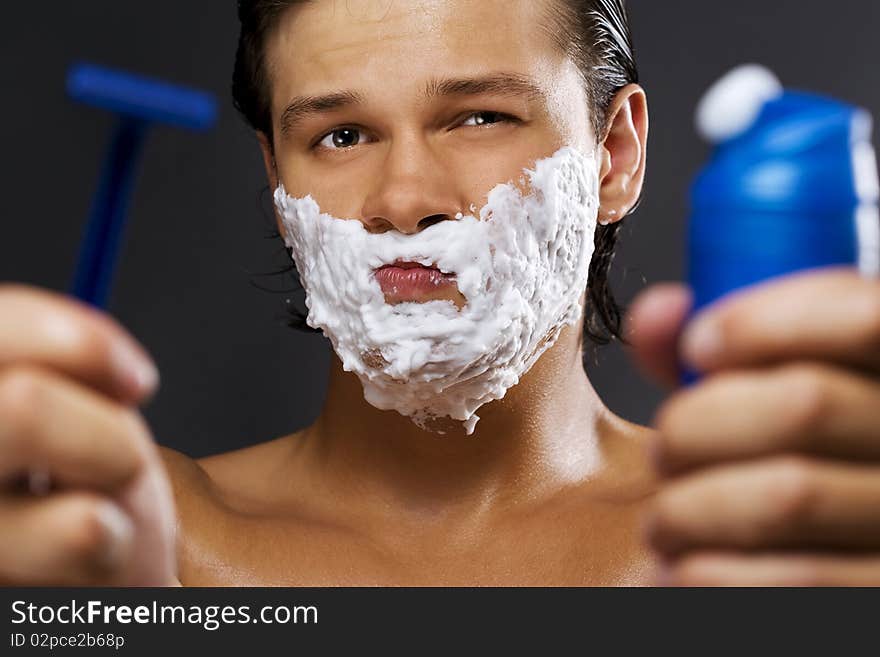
x: 542, y: 436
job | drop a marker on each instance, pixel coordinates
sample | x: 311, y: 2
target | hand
x: 770, y: 466
x: 70, y: 383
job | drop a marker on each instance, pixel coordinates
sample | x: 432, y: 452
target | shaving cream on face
x: 521, y: 266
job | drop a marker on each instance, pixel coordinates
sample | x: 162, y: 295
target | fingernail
x: 119, y: 532
x: 701, y: 342
x: 139, y: 374
x: 146, y: 378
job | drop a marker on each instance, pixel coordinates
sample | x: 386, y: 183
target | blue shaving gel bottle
x: 791, y: 185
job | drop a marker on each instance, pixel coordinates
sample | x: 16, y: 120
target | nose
x: 413, y: 190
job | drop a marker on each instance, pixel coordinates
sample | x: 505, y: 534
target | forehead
x: 392, y: 44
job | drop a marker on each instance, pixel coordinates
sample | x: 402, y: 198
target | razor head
x: 141, y: 98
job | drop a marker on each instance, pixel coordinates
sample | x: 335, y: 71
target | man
x: 403, y: 116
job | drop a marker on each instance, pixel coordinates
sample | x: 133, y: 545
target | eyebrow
x: 504, y: 84
x: 302, y: 107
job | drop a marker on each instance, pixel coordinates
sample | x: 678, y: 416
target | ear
x: 623, y: 151
x: 268, y: 160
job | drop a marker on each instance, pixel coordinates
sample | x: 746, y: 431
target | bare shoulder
x: 199, y: 512
x: 229, y: 466
x: 240, y: 470
x: 219, y: 499
x: 242, y: 480
x: 192, y: 485
x: 626, y: 448
x: 179, y: 465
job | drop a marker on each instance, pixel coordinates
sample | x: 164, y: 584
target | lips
x: 411, y: 281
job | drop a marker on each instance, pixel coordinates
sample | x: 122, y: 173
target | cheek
x: 491, y: 170
x: 478, y: 173
x: 338, y: 190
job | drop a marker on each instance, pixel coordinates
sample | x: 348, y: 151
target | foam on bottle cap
x: 731, y: 105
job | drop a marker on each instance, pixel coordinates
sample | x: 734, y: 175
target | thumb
x: 656, y: 320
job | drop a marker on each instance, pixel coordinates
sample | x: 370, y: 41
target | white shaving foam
x: 733, y: 104
x: 522, y: 267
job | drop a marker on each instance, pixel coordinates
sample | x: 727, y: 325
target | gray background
x: 232, y: 373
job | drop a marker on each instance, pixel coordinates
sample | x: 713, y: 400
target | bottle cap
x: 782, y: 151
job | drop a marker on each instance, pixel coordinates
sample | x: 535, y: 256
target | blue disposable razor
x: 139, y: 103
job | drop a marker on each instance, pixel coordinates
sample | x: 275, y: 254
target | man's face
x: 401, y: 113
x: 405, y: 115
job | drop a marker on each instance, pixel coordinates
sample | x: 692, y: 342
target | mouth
x: 405, y: 281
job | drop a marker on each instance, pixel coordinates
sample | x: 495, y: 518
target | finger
x: 50, y: 330
x: 772, y: 569
x: 66, y: 539
x: 78, y: 436
x: 656, y: 319
x: 805, y: 408
x: 778, y: 503
x: 827, y: 315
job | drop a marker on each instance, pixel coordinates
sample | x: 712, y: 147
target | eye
x: 341, y: 138
x: 486, y: 118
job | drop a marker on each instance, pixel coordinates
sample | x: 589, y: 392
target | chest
x: 600, y: 547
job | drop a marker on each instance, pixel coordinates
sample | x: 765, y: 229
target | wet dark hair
x: 595, y: 33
